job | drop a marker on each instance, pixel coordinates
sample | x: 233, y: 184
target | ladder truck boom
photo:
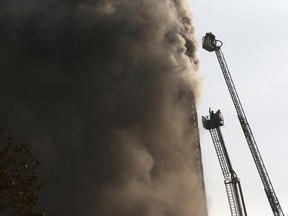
x: 210, y: 44
x: 231, y: 181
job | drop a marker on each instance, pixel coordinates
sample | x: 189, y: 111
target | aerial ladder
x: 231, y: 181
x: 210, y: 44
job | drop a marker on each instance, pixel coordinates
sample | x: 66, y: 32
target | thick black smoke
x: 99, y: 88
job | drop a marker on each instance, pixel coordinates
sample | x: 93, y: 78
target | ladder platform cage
x: 214, y: 120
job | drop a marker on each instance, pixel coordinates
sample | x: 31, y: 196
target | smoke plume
x: 101, y: 89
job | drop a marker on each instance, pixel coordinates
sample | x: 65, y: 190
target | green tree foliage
x: 19, y: 185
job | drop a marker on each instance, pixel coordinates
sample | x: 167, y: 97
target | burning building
x: 105, y: 91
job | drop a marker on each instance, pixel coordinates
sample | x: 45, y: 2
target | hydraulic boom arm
x: 211, y: 44
x: 231, y: 181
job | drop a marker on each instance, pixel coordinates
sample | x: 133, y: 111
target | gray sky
x: 255, y: 47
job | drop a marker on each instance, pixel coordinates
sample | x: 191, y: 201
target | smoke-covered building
x: 105, y: 92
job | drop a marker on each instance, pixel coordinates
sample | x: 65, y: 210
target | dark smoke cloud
x: 99, y: 88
